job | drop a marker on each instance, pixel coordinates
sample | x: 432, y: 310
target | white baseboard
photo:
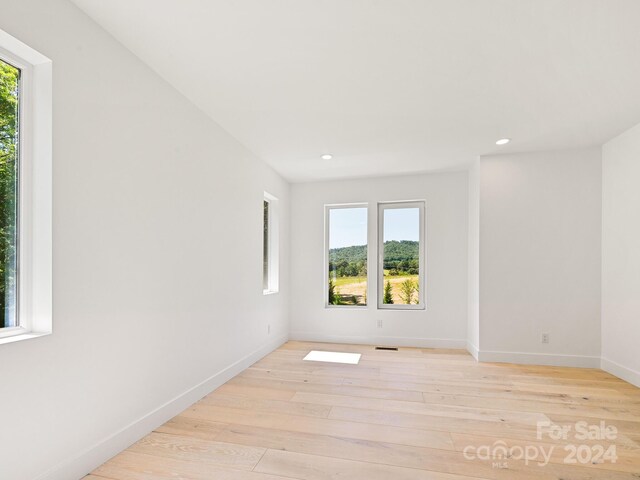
x: 550, y: 359
x: 482, y: 356
x: 386, y: 341
x: 94, y: 456
x: 620, y: 371
x: 472, y: 349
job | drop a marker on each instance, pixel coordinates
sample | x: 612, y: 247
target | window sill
x: 269, y: 292
x: 405, y: 308
x: 22, y: 336
x: 352, y: 307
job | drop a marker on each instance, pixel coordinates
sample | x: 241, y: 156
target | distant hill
x: 403, y: 251
x: 402, y: 255
x: 353, y: 254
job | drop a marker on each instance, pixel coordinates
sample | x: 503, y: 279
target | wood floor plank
x: 612, y: 413
x: 256, y: 392
x: 552, y: 394
x: 587, y: 472
x: 433, y: 423
x: 330, y: 446
x: 411, y: 414
x: 197, y: 450
x: 306, y: 409
x: 288, y: 375
x: 470, y: 413
x: 312, y: 467
x: 335, y: 389
x: 181, y: 425
x: 137, y: 466
x: 433, y: 460
x: 478, y: 376
x: 324, y: 426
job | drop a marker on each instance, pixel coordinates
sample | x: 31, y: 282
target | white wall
x: 540, y: 224
x: 157, y: 255
x: 621, y: 256
x: 444, y: 321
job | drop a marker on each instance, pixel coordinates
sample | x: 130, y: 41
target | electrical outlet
x: 545, y: 338
x: 268, y: 329
x: 379, y: 323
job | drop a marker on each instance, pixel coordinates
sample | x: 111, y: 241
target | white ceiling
x: 392, y: 86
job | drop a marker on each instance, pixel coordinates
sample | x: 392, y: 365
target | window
x: 9, y: 148
x: 401, y: 255
x: 400, y: 261
x: 346, y: 264
x: 270, y: 250
x: 265, y: 245
x: 25, y: 191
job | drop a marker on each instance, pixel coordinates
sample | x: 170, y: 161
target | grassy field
x: 348, y: 287
x: 346, y: 281
x: 395, y: 285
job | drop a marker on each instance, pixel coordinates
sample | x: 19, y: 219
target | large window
x: 270, y: 251
x: 401, y: 255
x: 346, y: 265
x: 25, y: 191
x: 9, y: 158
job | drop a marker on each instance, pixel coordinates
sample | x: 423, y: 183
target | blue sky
x: 348, y: 226
x: 402, y: 224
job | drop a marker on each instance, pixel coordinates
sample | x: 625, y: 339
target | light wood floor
x: 406, y: 415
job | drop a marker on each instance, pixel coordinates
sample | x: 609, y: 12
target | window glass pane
x: 347, y: 256
x: 401, y: 259
x: 265, y: 247
x: 9, y: 83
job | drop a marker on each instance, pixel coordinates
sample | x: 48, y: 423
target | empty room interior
x: 320, y: 240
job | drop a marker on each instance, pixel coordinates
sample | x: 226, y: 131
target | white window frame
x: 382, y: 206
x: 273, y: 251
x: 34, y: 222
x: 327, y: 210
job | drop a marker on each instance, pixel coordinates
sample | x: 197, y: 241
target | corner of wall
x: 620, y: 330
x: 473, y: 259
x: 473, y: 350
x: 620, y: 371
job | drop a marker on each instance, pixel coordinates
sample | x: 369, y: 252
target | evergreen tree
x: 407, y: 290
x: 388, y: 297
x: 334, y: 295
x: 332, y: 292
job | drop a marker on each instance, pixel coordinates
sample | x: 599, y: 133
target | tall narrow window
x: 346, y: 265
x: 9, y: 158
x: 25, y: 192
x: 401, y: 251
x: 270, y: 250
x: 265, y: 245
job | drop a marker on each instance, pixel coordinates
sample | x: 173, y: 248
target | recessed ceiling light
x: 503, y: 141
x: 326, y: 156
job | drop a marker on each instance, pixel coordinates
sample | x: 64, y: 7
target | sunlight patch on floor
x: 333, y: 357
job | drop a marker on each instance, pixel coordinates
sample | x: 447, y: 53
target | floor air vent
x: 393, y: 349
